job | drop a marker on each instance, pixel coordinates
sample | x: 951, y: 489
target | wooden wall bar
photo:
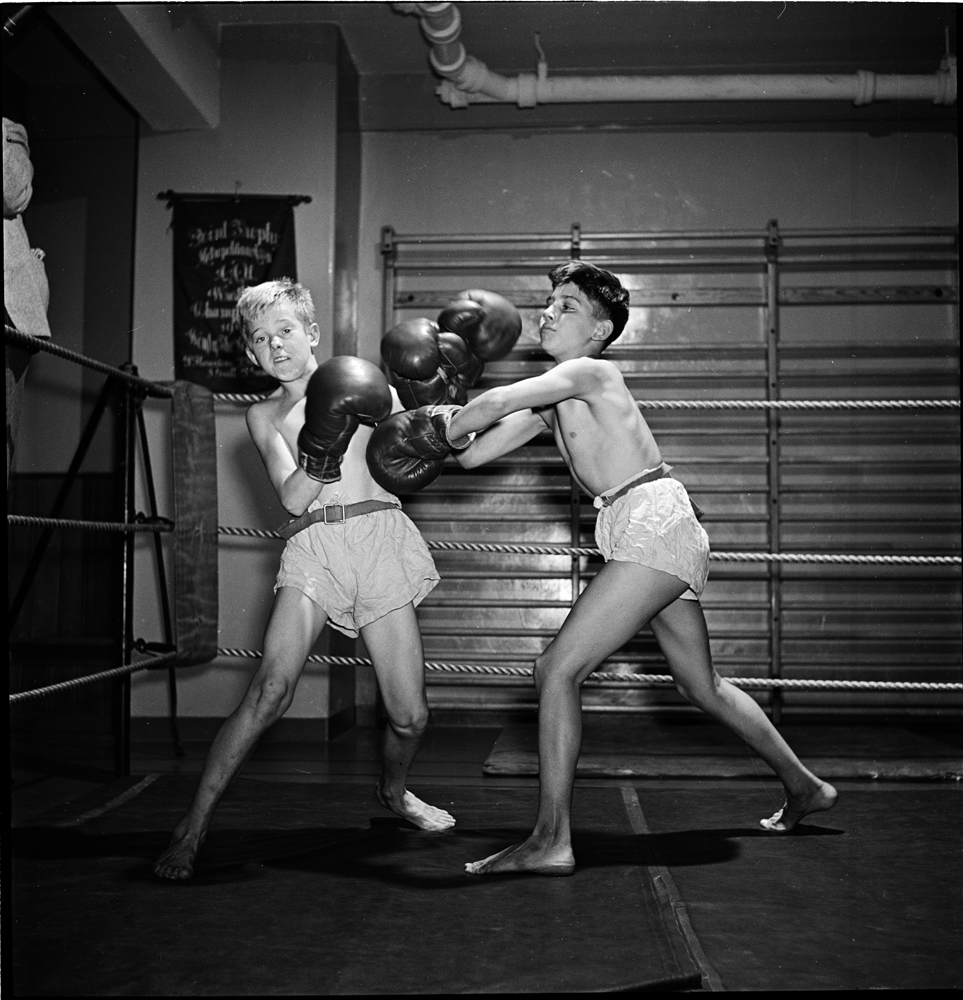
x: 804, y: 315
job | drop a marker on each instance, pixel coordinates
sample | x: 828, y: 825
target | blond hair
x: 257, y: 298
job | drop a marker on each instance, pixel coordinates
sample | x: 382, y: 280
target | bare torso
x: 602, y: 436
x: 284, y: 417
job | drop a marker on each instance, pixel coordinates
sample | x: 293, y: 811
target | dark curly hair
x: 609, y: 299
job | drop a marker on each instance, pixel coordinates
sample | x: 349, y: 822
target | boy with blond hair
x: 352, y: 559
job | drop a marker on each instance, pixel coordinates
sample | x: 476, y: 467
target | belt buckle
x: 324, y: 510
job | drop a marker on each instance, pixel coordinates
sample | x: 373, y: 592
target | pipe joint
x: 442, y: 26
x: 452, y: 69
x: 449, y: 94
x: 946, y: 82
x: 527, y: 90
x: 475, y: 77
x: 865, y: 87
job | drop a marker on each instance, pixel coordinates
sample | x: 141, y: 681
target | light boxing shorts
x: 650, y: 520
x: 358, y: 570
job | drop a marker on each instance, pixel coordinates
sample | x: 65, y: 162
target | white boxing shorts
x: 653, y: 524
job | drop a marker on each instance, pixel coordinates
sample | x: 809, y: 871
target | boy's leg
x: 683, y: 638
x: 394, y: 644
x: 295, y: 623
x: 613, y: 607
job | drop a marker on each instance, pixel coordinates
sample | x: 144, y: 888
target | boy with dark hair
x: 656, y: 552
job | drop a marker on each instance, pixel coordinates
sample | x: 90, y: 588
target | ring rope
x: 729, y: 404
x: 128, y: 668
x: 560, y: 549
x: 42, y: 344
x: 160, y: 525
x: 798, y: 404
x: 639, y: 680
x: 155, y: 388
x: 552, y: 549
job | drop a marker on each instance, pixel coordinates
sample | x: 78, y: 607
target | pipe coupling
x: 527, y: 90
x: 448, y: 70
x: 946, y: 82
x: 865, y: 87
x: 441, y: 22
x: 474, y: 76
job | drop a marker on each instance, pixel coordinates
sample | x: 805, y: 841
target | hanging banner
x: 222, y: 245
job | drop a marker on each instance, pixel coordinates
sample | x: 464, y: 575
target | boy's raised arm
x: 295, y: 489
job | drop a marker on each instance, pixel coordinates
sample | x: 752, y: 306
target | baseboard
x: 151, y: 729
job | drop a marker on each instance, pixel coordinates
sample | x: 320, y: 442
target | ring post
x: 162, y: 584
x: 128, y: 407
x: 772, y: 439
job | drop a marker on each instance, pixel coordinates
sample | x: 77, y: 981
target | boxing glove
x: 486, y: 321
x: 461, y: 367
x: 408, y: 450
x: 414, y: 361
x: 343, y: 392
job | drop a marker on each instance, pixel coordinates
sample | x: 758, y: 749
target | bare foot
x: 412, y: 809
x: 526, y: 857
x: 822, y: 797
x: 177, y: 862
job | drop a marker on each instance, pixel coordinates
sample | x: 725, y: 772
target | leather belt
x: 333, y: 513
x: 648, y: 477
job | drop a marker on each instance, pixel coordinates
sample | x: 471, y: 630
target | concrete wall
x: 635, y: 181
x: 276, y: 136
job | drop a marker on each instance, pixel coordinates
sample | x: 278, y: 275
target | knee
x: 410, y: 723
x: 701, y: 692
x: 550, y: 670
x: 271, y: 698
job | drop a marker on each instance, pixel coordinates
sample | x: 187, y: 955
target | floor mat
x: 313, y: 889
x: 866, y: 896
x: 639, y: 748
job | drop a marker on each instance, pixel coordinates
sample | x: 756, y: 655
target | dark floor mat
x: 634, y: 748
x: 313, y: 889
x: 866, y: 896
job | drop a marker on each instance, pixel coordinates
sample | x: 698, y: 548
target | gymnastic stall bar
x: 717, y: 321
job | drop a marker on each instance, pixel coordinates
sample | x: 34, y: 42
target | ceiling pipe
x: 467, y: 80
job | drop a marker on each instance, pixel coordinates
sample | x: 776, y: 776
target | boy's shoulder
x: 596, y: 369
x: 269, y: 410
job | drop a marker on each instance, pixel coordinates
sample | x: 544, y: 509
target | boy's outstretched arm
x: 579, y: 378
x: 502, y: 437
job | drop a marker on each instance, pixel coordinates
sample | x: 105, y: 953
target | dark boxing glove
x: 414, y: 360
x: 486, y: 321
x: 408, y: 450
x: 342, y: 393
x: 461, y: 367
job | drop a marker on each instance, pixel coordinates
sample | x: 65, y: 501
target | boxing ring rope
x: 13, y: 335
x: 737, y: 404
x: 146, y: 525
x: 561, y: 549
x: 102, y: 675
x: 157, y: 525
x: 633, y: 680
x: 163, y: 525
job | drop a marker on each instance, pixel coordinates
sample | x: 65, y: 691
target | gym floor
x: 867, y: 896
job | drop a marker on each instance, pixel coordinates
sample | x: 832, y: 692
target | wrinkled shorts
x: 358, y: 571
x: 653, y: 525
